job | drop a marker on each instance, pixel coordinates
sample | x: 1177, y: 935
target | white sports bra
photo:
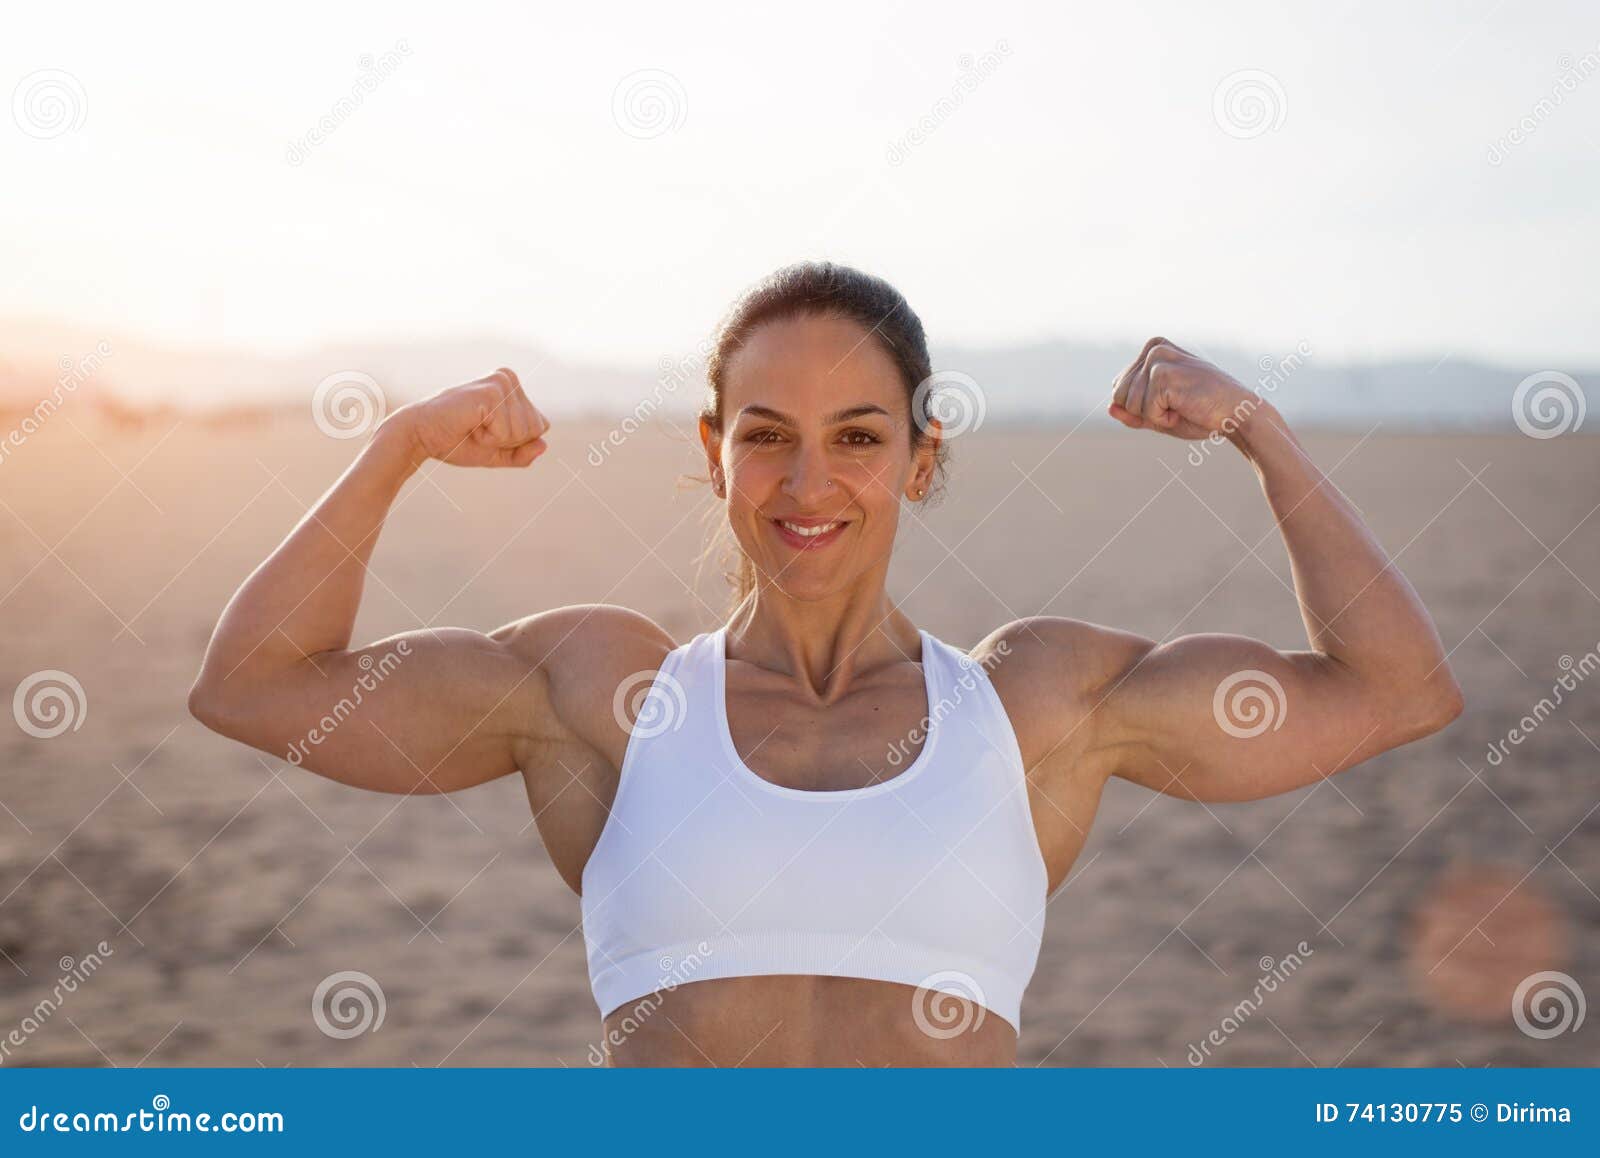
x: 932, y: 878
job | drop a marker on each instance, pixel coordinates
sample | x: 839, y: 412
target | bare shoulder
x: 1052, y: 673
x: 578, y: 656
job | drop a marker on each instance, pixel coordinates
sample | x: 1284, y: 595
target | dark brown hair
x: 825, y: 289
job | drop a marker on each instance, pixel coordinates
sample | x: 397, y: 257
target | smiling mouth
x: 809, y: 534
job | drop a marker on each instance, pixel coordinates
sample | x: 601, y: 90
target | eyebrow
x: 831, y: 420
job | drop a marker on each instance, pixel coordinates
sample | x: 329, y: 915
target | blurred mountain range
x: 1050, y: 380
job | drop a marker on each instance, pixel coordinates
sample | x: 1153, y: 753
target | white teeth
x: 809, y: 532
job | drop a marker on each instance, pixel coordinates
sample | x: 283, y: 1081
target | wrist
x: 395, y: 443
x: 1256, y: 429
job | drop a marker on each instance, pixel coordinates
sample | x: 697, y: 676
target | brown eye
x: 762, y: 436
x: 860, y: 437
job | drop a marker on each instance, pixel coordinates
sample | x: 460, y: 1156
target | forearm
x: 304, y: 597
x: 1357, y: 606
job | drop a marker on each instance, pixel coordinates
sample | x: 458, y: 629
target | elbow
x: 1434, y: 704
x: 207, y: 705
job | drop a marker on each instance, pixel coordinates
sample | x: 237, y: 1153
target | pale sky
x: 1084, y: 187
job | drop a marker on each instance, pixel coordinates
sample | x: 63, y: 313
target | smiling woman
x: 821, y: 835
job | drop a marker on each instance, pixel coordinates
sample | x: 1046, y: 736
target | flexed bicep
x: 1225, y: 718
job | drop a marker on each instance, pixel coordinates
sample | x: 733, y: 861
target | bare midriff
x: 792, y: 1020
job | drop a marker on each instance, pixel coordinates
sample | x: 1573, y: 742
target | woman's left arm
x: 1219, y: 717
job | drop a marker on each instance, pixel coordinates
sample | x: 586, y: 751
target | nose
x: 807, y: 482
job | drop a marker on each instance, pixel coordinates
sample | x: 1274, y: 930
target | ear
x: 924, y: 460
x: 711, y: 440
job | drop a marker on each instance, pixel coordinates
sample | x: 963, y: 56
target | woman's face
x: 815, y: 452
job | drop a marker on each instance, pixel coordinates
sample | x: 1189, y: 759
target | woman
x: 821, y: 836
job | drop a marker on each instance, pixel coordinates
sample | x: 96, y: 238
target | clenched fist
x: 1170, y: 390
x: 486, y: 422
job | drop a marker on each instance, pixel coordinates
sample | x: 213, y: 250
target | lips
x: 809, y: 534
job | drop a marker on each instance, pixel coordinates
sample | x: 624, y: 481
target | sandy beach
x: 226, y: 885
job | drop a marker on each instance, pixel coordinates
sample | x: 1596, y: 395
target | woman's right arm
x: 427, y: 711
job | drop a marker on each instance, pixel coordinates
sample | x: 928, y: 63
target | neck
x: 826, y: 643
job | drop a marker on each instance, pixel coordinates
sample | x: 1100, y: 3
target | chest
x: 866, y: 737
